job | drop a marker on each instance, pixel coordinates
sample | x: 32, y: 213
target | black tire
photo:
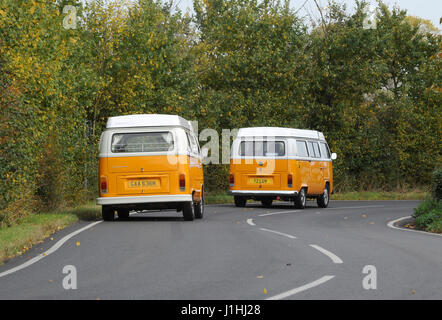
x: 108, y: 213
x: 188, y: 211
x: 324, y: 199
x: 301, y: 199
x: 240, y: 201
x: 199, y: 208
x: 267, y: 203
x: 123, y: 214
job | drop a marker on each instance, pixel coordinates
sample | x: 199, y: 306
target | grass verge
x: 428, y: 216
x: 34, y: 228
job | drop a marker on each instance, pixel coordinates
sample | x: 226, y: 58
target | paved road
x: 235, y: 253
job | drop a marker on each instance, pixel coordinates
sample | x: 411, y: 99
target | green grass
x: 20, y: 237
x: 380, y: 195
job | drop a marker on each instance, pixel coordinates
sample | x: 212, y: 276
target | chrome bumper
x: 270, y: 193
x: 144, y: 199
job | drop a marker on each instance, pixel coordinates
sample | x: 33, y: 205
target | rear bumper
x: 144, y: 199
x: 256, y: 193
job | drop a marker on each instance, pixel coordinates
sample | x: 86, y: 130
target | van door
x: 304, y: 163
x: 195, y: 165
x: 315, y: 185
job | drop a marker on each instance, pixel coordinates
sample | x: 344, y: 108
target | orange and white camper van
x: 150, y: 161
x: 269, y: 163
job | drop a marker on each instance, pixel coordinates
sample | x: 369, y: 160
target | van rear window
x: 262, y: 148
x: 142, y: 142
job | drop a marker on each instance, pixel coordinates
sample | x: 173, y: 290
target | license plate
x: 260, y: 180
x: 143, y: 183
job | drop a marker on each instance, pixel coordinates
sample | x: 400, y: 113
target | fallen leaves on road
x: 260, y: 277
x: 265, y: 291
x: 78, y: 243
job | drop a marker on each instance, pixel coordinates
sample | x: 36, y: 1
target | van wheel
x: 300, y: 199
x: 324, y: 198
x: 107, y: 213
x: 199, y: 208
x: 188, y: 211
x: 123, y: 214
x: 267, y: 202
x: 240, y: 201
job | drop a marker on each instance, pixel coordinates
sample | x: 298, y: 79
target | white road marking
x: 391, y: 225
x: 329, y: 254
x: 250, y: 221
x: 280, y: 233
x: 362, y: 207
x: 51, y: 250
x: 279, y: 212
x: 302, y: 288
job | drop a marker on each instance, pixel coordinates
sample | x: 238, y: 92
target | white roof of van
x: 279, y: 132
x: 147, y: 120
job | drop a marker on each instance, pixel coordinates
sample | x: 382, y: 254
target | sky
x: 427, y: 9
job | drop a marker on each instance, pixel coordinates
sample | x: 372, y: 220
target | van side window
x: 193, y: 144
x: 311, y: 152
x: 324, y: 150
x: 302, y: 148
x: 317, y: 152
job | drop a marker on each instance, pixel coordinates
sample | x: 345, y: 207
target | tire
x: 301, y: 199
x: 189, y: 211
x: 123, y: 214
x: 267, y: 203
x: 240, y: 201
x: 107, y: 213
x: 324, y: 198
x: 199, y: 208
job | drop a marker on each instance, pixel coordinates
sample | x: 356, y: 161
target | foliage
x: 374, y: 93
x: 436, y: 184
x: 428, y: 215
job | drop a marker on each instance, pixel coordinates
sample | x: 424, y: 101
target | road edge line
x: 391, y: 223
x: 51, y: 250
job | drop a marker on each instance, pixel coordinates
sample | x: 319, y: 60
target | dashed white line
x: 302, y: 288
x: 329, y: 254
x: 51, y: 250
x: 280, y: 233
x: 278, y: 212
x: 250, y: 221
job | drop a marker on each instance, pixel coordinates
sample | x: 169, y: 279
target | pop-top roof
x: 279, y: 132
x: 147, y: 120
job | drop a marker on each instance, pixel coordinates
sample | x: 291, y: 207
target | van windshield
x: 262, y: 148
x: 142, y: 142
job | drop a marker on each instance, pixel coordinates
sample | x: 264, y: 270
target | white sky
x: 427, y: 9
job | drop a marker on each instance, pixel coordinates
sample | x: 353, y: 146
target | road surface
x: 238, y: 253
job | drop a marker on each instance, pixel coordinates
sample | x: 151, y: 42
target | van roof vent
x: 147, y: 120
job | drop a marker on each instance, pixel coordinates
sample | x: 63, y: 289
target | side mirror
x: 334, y: 156
x: 204, y: 152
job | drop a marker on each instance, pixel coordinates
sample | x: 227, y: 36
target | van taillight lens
x: 103, y: 184
x: 232, y: 180
x: 182, y: 182
x: 290, y: 180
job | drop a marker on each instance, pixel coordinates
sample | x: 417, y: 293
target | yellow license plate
x: 260, y: 180
x: 143, y: 183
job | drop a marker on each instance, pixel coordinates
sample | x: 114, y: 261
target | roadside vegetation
x: 428, y: 214
x: 374, y: 93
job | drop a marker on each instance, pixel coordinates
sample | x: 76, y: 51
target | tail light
x: 103, y: 184
x: 182, y: 182
x: 290, y: 180
x: 232, y: 180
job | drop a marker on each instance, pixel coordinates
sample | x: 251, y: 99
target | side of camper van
x: 150, y: 162
x: 270, y: 164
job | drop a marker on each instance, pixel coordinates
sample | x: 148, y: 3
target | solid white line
x: 354, y: 207
x: 51, y: 250
x: 279, y: 212
x: 280, y: 233
x: 391, y: 225
x: 250, y: 221
x: 329, y: 254
x: 302, y: 288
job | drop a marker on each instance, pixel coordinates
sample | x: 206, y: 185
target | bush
x: 436, y: 184
x: 428, y: 215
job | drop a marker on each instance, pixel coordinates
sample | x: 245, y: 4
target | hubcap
x: 326, y: 195
x: 303, y: 197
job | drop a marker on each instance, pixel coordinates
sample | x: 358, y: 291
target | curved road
x: 236, y: 253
